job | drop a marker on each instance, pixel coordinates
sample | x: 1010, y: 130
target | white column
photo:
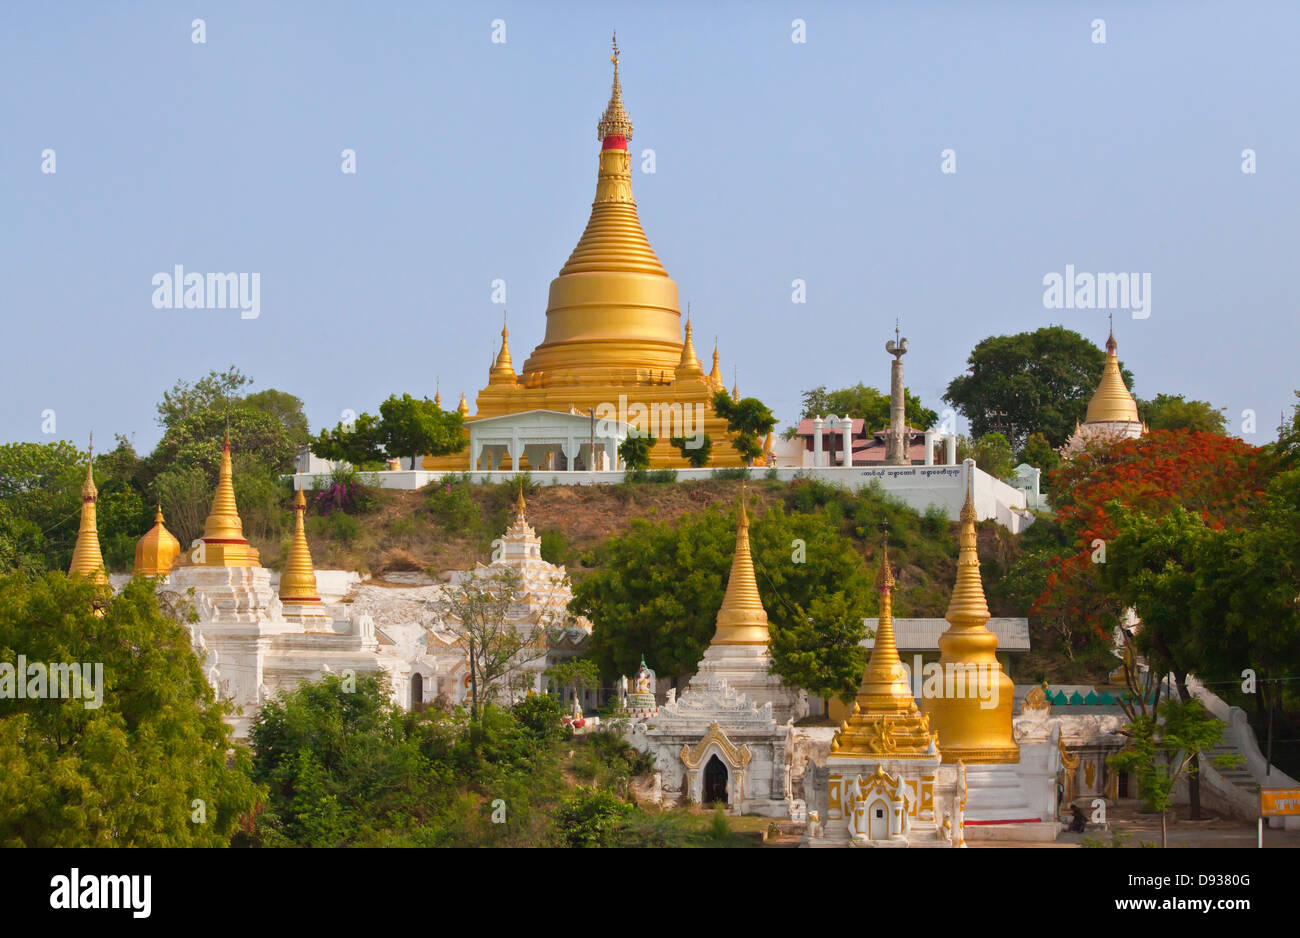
x: 950, y: 447
x: 848, y: 440
x: 817, y: 441
x: 514, y: 450
x: 929, y: 447
x: 475, y: 448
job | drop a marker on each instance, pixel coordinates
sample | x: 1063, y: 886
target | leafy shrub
x: 591, y: 818
x: 453, y: 508
x: 734, y: 472
x: 345, y: 491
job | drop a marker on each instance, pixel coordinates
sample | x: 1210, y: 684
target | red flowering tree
x: 1220, y: 479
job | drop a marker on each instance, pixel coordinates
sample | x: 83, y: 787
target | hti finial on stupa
x: 615, y: 126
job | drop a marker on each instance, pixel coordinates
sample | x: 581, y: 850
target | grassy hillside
x: 447, y: 527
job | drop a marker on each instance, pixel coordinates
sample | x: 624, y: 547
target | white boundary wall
x: 919, y: 487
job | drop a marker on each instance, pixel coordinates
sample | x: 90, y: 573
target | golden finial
x: 520, y: 505
x: 463, y: 407
x: 437, y: 393
x: 614, y: 122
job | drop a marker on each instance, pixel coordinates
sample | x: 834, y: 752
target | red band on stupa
x: 614, y: 143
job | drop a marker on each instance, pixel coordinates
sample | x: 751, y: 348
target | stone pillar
x: 514, y: 451
x: 896, y: 440
x: 847, y: 426
x: 929, y: 447
x: 950, y: 449
x: 817, y: 441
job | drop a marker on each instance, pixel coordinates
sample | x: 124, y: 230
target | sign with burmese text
x: 1279, y: 802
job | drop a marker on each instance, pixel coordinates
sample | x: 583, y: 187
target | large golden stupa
x: 613, y: 323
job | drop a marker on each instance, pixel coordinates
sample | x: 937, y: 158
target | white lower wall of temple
x: 919, y: 487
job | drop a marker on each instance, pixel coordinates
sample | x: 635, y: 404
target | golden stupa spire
x: 885, y: 721
x: 437, y: 393
x: 156, y: 552
x: 715, y: 375
x: 520, y: 506
x: 1112, y: 402
x: 612, y: 312
x: 223, y: 543
x: 971, y: 711
x: 742, y: 620
x: 87, y: 559
x: 689, y: 366
x: 463, y: 407
x: 503, y: 369
x: 614, y: 123
x: 298, y: 591
x: 735, y: 383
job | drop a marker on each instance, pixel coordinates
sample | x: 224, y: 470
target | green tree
x: 215, y: 392
x: 1163, y: 749
x: 634, y: 452
x: 868, y: 403
x: 359, y: 443
x: 656, y: 590
x: 992, y: 453
x: 1030, y: 382
x: 1039, y: 453
x: 420, y: 428
x: 286, y: 408
x: 152, y: 766
x: 1174, y: 412
x: 750, y: 421
x: 574, y: 675
x: 697, y: 453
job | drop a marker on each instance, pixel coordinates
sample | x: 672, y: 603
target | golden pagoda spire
x: 503, y: 370
x: 742, y: 620
x: 971, y: 711
x: 463, y: 407
x: 223, y: 543
x: 156, y: 552
x: 519, y: 506
x: 437, y: 393
x: 715, y: 376
x: 1112, y: 402
x: 885, y: 721
x: 612, y: 313
x: 689, y: 366
x: 87, y: 560
x: 735, y: 383
x: 614, y: 122
x: 298, y: 591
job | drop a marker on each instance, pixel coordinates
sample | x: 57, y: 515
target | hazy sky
x: 775, y: 160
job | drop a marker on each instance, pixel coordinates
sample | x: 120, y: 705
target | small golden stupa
x: 223, y: 544
x: 1112, y: 402
x: 971, y: 727
x: 298, y: 590
x: 742, y: 620
x: 885, y: 722
x: 156, y: 552
x: 87, y: 559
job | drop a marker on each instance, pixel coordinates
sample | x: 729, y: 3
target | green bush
x: 453, y: 508
x: 591, y: 818
x: 555, y: 547
x: 343, y: 528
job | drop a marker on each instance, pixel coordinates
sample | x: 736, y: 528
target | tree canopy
x: 1174, y: 412
x: 1030, y: 382
x: 151, y: 766
x: 868, y: 403
x: 656, y: 592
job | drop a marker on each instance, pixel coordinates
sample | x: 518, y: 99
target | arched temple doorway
x: 715, y: 782
x: 417, y: 691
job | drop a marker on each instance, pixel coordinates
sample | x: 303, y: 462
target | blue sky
x: 775, y: 160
